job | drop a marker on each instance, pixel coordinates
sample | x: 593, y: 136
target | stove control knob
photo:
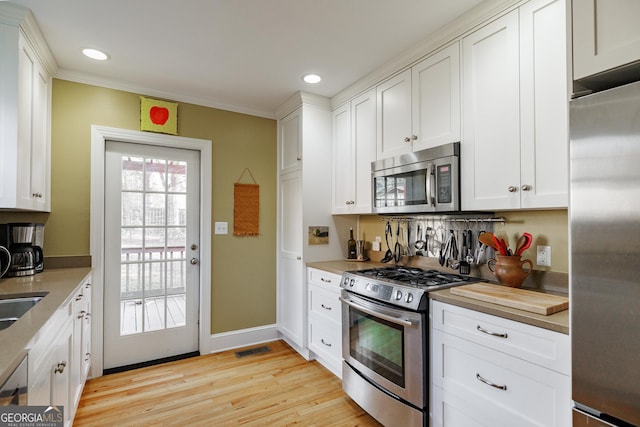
x: 398, y: 295
x: 345, y: 282
x: 352, y: 282
x: 409, y: 298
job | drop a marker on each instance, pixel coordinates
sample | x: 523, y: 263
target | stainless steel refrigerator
x: 604, y: 213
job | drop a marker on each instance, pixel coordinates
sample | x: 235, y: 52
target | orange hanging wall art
x: 158, y: 116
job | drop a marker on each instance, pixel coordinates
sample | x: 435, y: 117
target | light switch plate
x: 221, y: 228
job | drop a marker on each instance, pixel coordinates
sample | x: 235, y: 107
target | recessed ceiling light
x: 312, y: 78
x: 95, y: 54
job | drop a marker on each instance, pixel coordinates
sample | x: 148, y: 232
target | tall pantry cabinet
x: 26, y: 66
x: 304, y: 205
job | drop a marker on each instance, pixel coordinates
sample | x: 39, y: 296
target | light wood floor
x: 276, y: 388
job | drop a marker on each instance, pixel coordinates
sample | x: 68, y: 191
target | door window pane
x: 153, y: 245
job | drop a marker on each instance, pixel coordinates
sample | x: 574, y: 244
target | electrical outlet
x: 544, y: 256
x: 221, y: 228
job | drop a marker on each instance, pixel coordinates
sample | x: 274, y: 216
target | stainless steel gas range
x: 385, y: 342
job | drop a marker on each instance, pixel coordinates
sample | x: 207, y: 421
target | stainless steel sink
x: 12, y: 307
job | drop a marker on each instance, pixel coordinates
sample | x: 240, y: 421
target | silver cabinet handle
x: 487, y: 382
x: 325, y: 307
x: 414, y: 137
x: 525, y: 187
x: 322, y: 279
x: 512, y: 189
x: 298, y: 258
x: 79, y: 297
x: 493, y: 334
x: 81, y: 315
x: 328, y: 344
x: 194, y: 261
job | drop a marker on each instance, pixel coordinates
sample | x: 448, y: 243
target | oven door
x: 386, y: 345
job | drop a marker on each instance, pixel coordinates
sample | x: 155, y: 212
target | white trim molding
x: 99, y: 136
x: 243, y: 338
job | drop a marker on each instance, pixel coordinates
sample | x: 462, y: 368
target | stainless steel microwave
x: 422, y: 181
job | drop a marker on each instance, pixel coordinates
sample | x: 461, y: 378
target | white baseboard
x: 242, y: 338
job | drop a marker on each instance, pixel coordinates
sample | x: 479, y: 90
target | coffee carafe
x: 4, y: 265
x: 25, y: 257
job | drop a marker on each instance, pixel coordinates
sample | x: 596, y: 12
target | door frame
x: 99, y: 136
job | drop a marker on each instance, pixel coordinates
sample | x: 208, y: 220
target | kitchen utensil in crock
x: 509, y: 270
x: 487, y: 239
x: 528, y: 239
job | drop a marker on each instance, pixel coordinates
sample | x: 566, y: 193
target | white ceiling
x: 240, y: 55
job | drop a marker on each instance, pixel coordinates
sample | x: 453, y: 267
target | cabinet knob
x: 512, y: 189
x: 60, y: 368
x: 298, y: 258
x: 414, y: 137
x: 525, y: 187
x: 407, y: 139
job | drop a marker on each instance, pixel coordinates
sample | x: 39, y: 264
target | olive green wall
x: 549, y: 228
x: 243, y: 290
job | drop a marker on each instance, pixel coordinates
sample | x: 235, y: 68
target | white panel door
x: 490, y: 146
x: 363, y: 137
x: 544, y: 106
x: 151, y: 253
x: 343, y: 173
x: 394, y: 116
x: 606, y: 34
x: 436, y: 99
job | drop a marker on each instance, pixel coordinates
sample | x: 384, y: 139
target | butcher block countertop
x: 60, y: 284
x: 558, y: 322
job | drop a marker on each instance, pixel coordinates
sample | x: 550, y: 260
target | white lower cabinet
x: 59, y: 356
x: 325, y: 323
x: 490, y: 371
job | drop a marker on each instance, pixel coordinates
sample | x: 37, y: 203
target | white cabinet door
x: 490, y: 146
x: 436, y: 99
x: 354, y: 148
x: 363, y: 137
x: 544, y: 105
x: 290, y: 140
x: 606, y: 35
x: 291, y: 283
x: 343, y: 161
x: 33, y: 125
x: 394, y: 116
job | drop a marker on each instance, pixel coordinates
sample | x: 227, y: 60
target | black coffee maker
x: 20, y: 238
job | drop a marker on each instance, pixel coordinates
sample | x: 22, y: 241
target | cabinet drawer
x: 325, y: 337
x: 324, y: 303
x: 536, y: 345
x: 496, y: 388
x: 323, y: 278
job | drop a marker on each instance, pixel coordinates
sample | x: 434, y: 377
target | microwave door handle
x: 392, y: 319
x: 431, y: 200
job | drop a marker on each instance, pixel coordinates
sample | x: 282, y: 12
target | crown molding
x: 299, y: 99
x: 73, y: 76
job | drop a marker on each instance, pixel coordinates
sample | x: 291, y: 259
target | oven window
x: 401, y: 190
x: 378, y: 345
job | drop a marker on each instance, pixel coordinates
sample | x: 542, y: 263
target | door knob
x: 194, y: 261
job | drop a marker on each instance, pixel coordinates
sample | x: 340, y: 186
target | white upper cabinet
x: 436, y: 99
x: 394, y: 116
x: 25, y: 85
x: 420, y: 107
x: 515, y: 84
x: 290, y: 141
x: 354, y: 139
x: 606, y: 35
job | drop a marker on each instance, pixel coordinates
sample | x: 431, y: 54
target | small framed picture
x: 318, y: 235
x: 158, y: 116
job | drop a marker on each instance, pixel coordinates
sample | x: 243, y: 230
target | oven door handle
x: 392, y: 319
